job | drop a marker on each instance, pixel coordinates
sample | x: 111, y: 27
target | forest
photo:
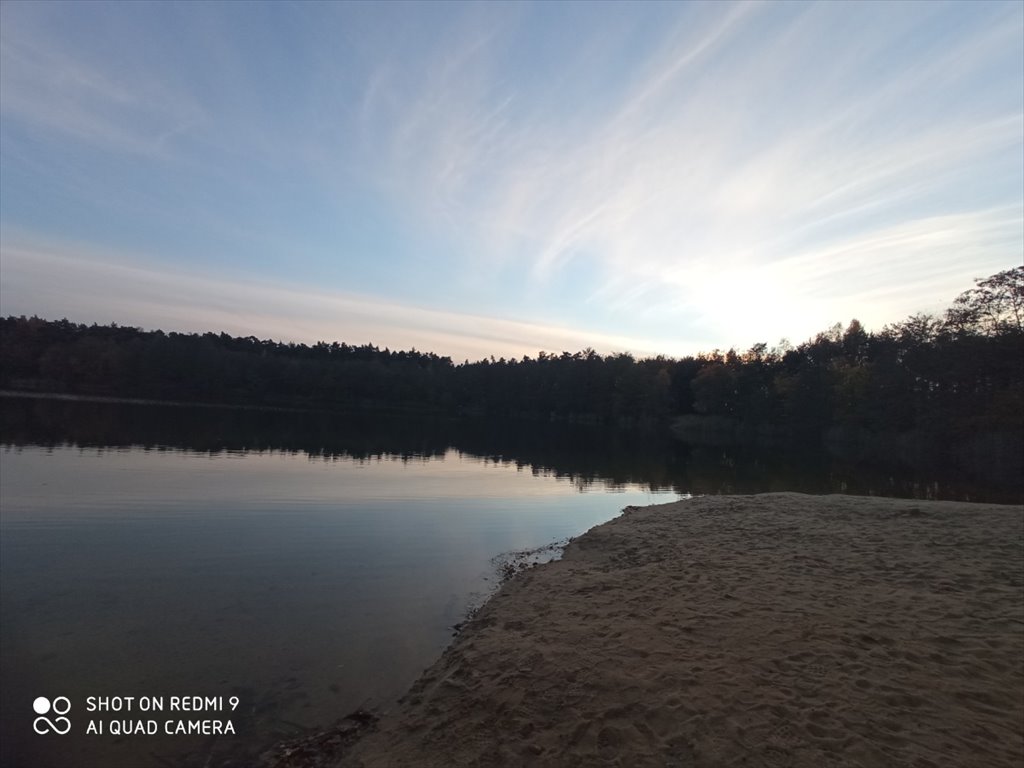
x: 957, y: 378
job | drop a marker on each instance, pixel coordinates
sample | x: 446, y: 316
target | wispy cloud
x: 132, y: 286
x: 77, y: 95
x: 750, y: 143
x: 679, y: 176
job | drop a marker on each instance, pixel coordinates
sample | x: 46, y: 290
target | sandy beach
x: 769, y: 630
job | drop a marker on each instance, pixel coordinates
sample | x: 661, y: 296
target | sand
x: 769, y: 630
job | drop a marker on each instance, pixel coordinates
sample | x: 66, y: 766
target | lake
x: 289, y: 567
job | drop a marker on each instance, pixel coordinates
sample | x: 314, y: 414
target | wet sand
x: 769, y: 630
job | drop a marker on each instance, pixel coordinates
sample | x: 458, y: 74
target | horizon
x: 497, y: 180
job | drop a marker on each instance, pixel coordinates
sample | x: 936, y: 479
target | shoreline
x: 776, y: 629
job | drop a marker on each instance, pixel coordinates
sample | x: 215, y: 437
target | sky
x: 501, y: 179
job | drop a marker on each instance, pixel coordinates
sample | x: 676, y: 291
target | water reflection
x: 307, y: 584
x: 584, y: 455
x: 307, y: 563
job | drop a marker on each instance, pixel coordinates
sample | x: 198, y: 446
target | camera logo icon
x: 60, y: 706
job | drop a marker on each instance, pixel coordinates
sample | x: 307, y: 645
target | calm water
x: 306, y: 565
x: 306, y: 586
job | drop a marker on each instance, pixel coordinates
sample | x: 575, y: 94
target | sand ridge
x: 768, y: 630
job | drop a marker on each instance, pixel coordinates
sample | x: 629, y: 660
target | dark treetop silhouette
x: 952, y: 384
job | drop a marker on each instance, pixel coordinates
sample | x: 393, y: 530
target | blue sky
x: 478, y: 179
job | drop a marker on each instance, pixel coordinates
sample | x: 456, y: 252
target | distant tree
x: 855, y: 342
x: 995, y: 306
x: 949, y: 378
x: 714, y: 390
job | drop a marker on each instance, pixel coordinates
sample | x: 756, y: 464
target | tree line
x: 961, y: 373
